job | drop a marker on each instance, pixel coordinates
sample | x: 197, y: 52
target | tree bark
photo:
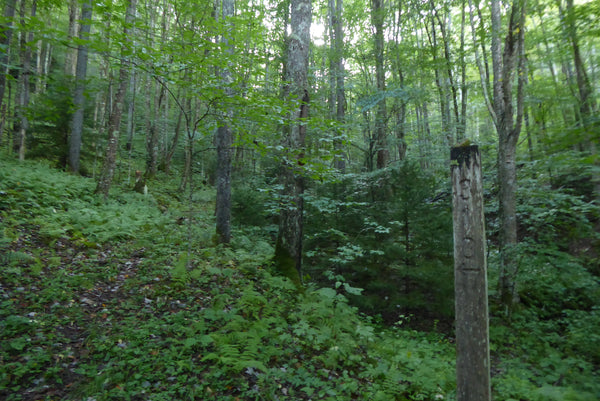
x: 399, y: 108
x: 131, y: 112
x: 224, y: 134
x: 71, y: 54
x: 114, y: 123
x: 152, y: 146
x: 154, y: 98
x: 508, y: 124
x: 288, y: 249
x: 470, y: 277
x: 75, y: 139
x: 378, y: 17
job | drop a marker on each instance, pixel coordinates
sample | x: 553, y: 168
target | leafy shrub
x: 389, y: 233
x: 249, y: 205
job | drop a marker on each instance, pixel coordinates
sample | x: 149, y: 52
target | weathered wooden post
x: 470, y: 277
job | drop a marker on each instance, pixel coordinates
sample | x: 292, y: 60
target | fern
x: 235, y: 360
x: 14, y: 257
x: 8, y: 256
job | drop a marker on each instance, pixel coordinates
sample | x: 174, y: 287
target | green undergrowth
x: 129, y: 299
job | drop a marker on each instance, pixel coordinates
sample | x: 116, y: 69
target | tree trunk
x: 78, y: 98
x: 71, y: 54
x: 181, y: 114
x: 186, y: 178
x: 114, y: 123
x: 224, y: 135
x: 399, y: 108
x: 154, y: 99
x: 505, y: 65
x: 337, y: 73
x: 378, y: 17
x: 131, y: 112
x: 440, y: 81
x: 461, y: 128
x: 288, y: 249
x: 152, y: 145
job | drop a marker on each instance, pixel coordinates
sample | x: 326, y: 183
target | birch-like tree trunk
x: 224, y: 137
x: 288, y: 249
x: 508, y: 64
x: 71, y: 54
x: 114, y: 123
x: 400, y: 103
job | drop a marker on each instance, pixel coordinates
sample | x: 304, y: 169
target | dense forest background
x: 213, y: 147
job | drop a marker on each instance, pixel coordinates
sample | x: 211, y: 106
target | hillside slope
x: 130, y: 299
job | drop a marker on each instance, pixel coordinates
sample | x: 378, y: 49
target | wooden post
x: 470, y: 277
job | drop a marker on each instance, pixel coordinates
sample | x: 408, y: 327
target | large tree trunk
x: 153, y: 103
x: 288, y: 250
x: 224, y: 134
x: 114, y: 123
x: 71, y: 54
x: 78, y: 98
x: 506, y: 64
x: 377, y: 17
x: 399, y: 108
x: 461, y: 128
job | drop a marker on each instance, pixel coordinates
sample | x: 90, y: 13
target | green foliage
x: 385, y: 232
x: 250, y: 204
x: 51, y: 122
x: 154, y: 310
x: 549, y: 349
x: 547, y: 364
x: 152, y: 319
x: 65, y: 207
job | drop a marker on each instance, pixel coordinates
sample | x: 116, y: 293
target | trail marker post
x: 470, y: 276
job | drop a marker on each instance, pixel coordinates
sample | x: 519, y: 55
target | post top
x: 462, y: 154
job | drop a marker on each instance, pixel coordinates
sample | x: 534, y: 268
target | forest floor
x: 130, y: 299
